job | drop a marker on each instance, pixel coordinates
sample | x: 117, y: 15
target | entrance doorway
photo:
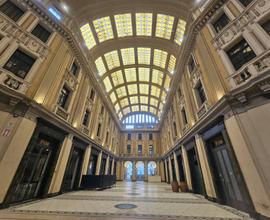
x: 173, y: 170
x: 93, y: 162
x: 73, y: 170
x: 168, y: 172
x: 181, y: 168
x: 152, y: 168
x: 128, y: 171
x: 140, y: 170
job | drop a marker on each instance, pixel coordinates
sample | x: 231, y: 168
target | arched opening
x: 152, y: 168
x: 140, y: 170
x: 128, y: 170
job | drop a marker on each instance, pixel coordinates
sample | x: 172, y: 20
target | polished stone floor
x: 125, y: 201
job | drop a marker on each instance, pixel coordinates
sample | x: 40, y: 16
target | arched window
x: 139, y: 120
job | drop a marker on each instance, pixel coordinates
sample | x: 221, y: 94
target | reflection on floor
x: 128, y: 200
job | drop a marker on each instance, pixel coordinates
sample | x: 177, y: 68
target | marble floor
x: 140, y: 200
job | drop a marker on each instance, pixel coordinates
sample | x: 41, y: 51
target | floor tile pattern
x: 151, y: 201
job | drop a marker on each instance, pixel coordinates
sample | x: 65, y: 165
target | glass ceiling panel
x: 107, y: 84
x: 113, y: 97
x: 112, y: 59
x: 144, y: 55
x: 155, y: 91
x: 100, y: 66
x: 134, y: 99
x: 167, y: 82
x: 132, y: 89
x: 172, y: 62
x: 130, y: 74
x: 128, y: 56
x: 164, y: 26
x: 153, y: 102
x: 88, y: 36
x: 126, y: 110
x: 160, y: 58
x: 120, y: 115
x: 153, y: 110
x: 103, y: 29
x: 157, y: 77
x: 121, y: 92
x: 144, y: 24
x: 144, y: 99
x: 144, y: 88
x: 117, y: 78
x: 117, y: 107
x: 180, y: 31
x: 123, y: 25
x: 161, y: 106
x: 124, y: 102
x: 144, y: 74
x: 135, y: 108
x: 163, y: 96
x: 144, y: 108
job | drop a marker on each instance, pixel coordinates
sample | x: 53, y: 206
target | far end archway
x: 128, y: 170
x: 152, y: 168
x: 140, y: 170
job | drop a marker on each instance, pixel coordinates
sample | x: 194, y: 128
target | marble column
x: 170, y: 169
x: 146, y: 171
x: 86, y: 161
x: 207, y: 176
x: 176, y: 167
x: 134, y: 171
x: 107, y: 165
x: 186, y: 168
x: 112, y: 168
x: 99, y: 160
x: 166, y: 171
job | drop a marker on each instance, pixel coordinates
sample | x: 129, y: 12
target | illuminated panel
x: 131, y: 75
x: 103, y: 29
x: 112, y: 59
x: 163, y: 96
x: 123, y: 25
x: 107, y: 84
x: 153, y: 110
x: 171, y: 65
x: 124, y: 102
x: 117, y: 78
x: 100, y: 66
x: 153, y: 102
x: 144, y: 99
x: 128, y: 56
x: 144, y: 108
x: 167, y: 83
x: 126, y: 110
x: 155, y: 91
x: 113, y: 97
x: 160, y: 58
x: 164, y: 26
x: 144, y: 55
x: 134, y: 100
x: 135, y: 108
x: 132, y: 89
x: 120, y: 115
x: 144, y: 24
x: 88, y: 36
x: 121, y: 92
x: 161, y: 106
x: 157, y: 77
x: 144, y: 88
x: 144, y: 74
x: 117, y: 107
x: 180, y: 31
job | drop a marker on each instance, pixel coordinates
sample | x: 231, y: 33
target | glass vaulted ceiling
x: 136, y: 79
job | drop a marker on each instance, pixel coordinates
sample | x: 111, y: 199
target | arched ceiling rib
x: 134, y: 46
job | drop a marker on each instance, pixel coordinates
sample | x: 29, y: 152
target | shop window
x: 139, y: 136
x: 128, y: 149
x: 92, y: 94
x: 98, y: 129
x: 139, y: 149
x: 191, y: 65
x: 201, y: 97
x: 74, y: 69
x: 150, y: 136
x: 245, y: 2
x: 19, y: 63
x: 129, y: 137
x: 240, y: 54
x: 221, y: 22
x: 266, y: 26
x: 63, y: 97
x: 11, y: 10
x: 86, y: 118
x: 184, y: 116
x: 41, y: 33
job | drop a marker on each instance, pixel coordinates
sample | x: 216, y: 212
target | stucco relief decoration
x: 71, y: 82
x: 263, y: 63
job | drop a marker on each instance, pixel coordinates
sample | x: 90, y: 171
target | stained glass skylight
x: 103, y: 28
x: 128, y: 56
x: 172, y: 63
x: 144, y: 24
x: 117, y: 78
x: 144, y: 55
x: 88, y: 36
x: 157, y: 77
x: 112, y: 59
x: 123, y: 25
x: 144, y: 74
x: 180, y: 31
x: 130, y: 74
x: 164, y: 26
x: 160, y: 58
x: 107, y: 84
x: 132, y: 89
x: 100, y: 66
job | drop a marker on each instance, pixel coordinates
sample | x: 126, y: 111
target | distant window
x: 92, y: 94
x: 128, y: 148
x: 266, y: 26
x: 102, y: 110
x: 200, y: 93
x: 174, y: 129
x: 150, y: 136
x: 55, y: 12
x: 245, y: 2
x: 11, y: 10
x: 240, y: 54
x: 191, y: 65
x: 42, y: 33
x: 139, y: 136
x: 98, y: 129
x: 129, y: 137
x: 139, y: 149
x: 19, y: 63
x: 221, y: 22
x: 63, y: 97
x: 86, y: 118
x: 74, y: 69
x: 184, y: 116
x: 107, y: 137
x: 140, y: 118
x: 151, y: 150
